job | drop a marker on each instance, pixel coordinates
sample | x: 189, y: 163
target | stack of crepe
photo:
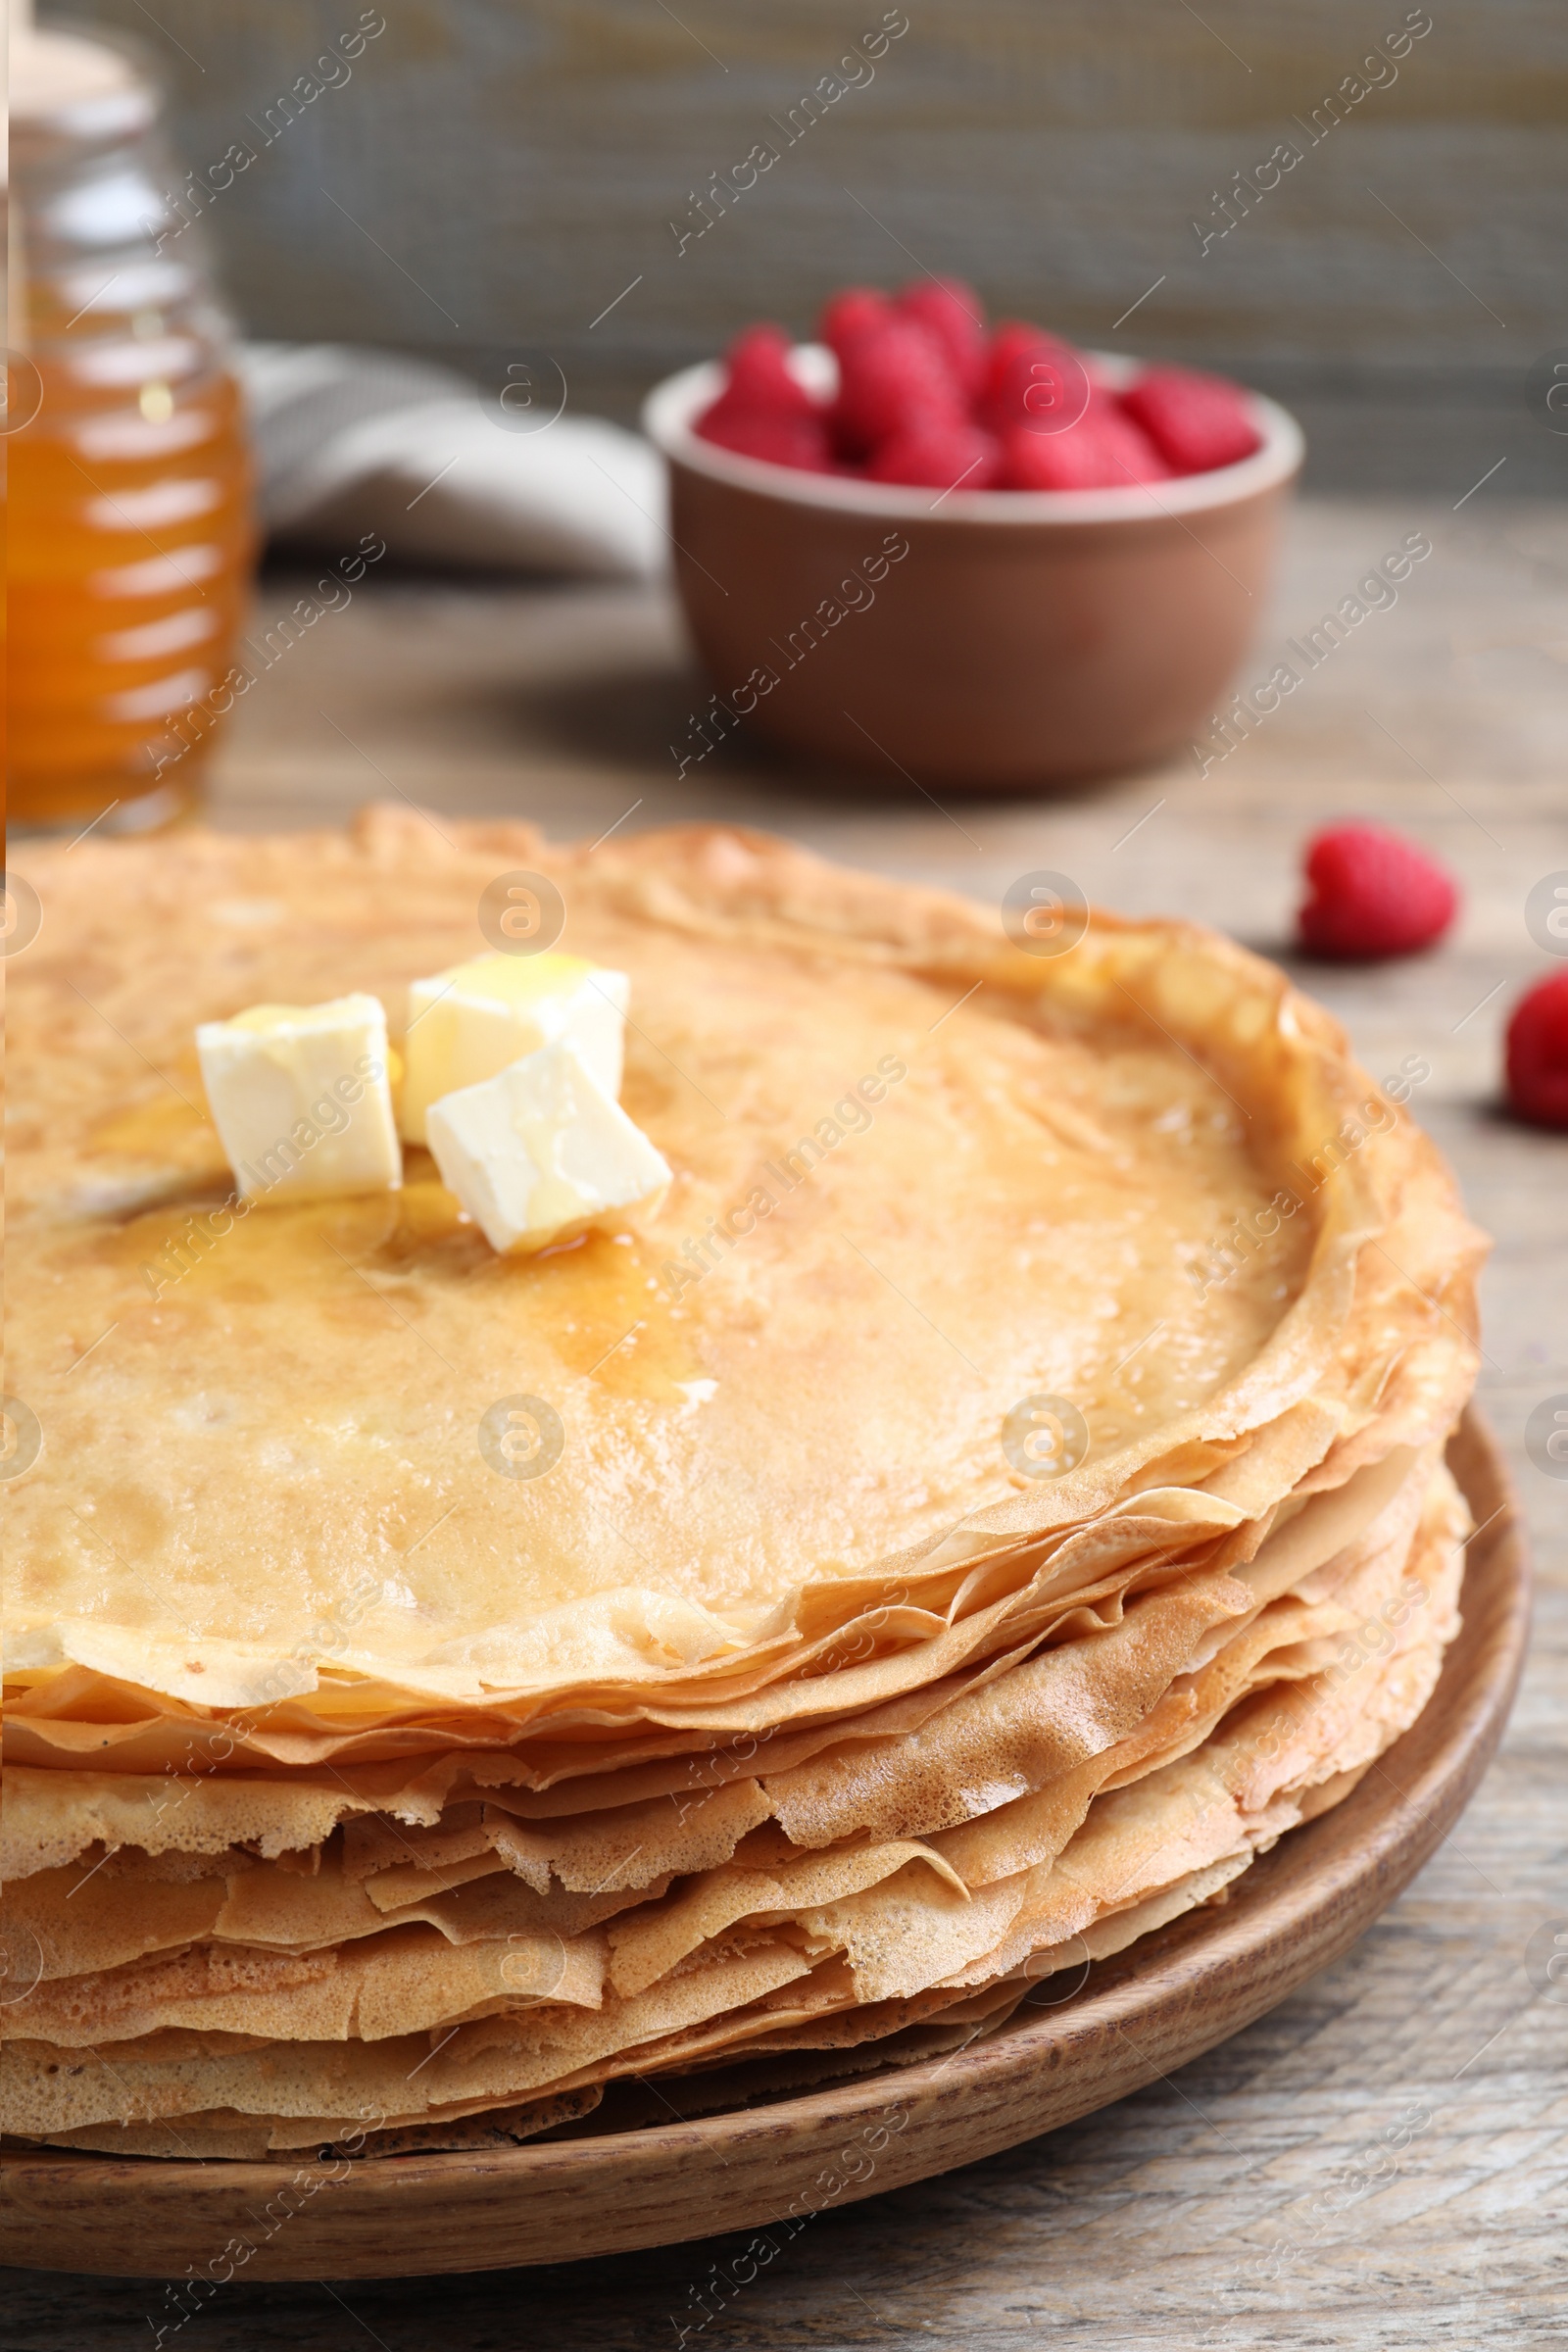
x: 363, y: 1793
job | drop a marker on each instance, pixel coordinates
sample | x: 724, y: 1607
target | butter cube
x: 542, y: 1150
x: 300, y: 1098
x: 469, y: 1023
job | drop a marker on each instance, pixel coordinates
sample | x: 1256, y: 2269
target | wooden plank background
x: 492, y: 174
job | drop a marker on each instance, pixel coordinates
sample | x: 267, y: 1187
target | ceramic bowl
x: 997, y: 640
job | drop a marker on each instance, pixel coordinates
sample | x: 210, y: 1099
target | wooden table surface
x: 1259, y: 2198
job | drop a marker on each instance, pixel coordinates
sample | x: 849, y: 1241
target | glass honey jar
x: 130, y: 532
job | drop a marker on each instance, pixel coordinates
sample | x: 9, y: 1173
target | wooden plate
x: 1149, y: 2009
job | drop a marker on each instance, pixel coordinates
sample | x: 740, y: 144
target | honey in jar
x: 129, y: 537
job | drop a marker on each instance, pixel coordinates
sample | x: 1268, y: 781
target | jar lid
x: 63, y: 84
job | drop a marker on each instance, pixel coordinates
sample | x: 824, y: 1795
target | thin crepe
x: 1064, y: 1097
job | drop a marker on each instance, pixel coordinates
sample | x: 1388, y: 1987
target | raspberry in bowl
x: 981, y: 555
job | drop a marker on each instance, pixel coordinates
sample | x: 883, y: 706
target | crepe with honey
x: 791, y: 1597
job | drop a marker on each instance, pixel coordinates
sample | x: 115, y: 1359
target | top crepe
x: 262, y: 1484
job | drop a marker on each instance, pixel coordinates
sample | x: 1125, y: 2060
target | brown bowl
x: 993, y: 639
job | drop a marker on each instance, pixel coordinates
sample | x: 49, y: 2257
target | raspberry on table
x: 953, y: 311
x: 1373, y: 894
x: 1196, y: 421
x: 939, y: 455
x: 1536, y: 1054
